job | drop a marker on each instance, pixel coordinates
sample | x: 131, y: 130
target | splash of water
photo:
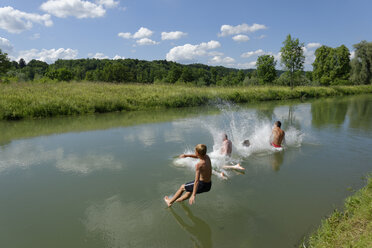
x: 240, y: 124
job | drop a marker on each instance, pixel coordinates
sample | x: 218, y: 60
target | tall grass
x: 27, y: 100
x: 350, y: 228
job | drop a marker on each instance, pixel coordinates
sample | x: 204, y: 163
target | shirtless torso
x: 205, y: 168
x: 277, y: 137
x: 226, y: 147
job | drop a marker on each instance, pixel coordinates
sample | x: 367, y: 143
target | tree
x: 293, y: 58
x: 331, y: 64
x: 266, y: 68
x: 4, y: 63
x: 22, y: 63
x: 361, y: 64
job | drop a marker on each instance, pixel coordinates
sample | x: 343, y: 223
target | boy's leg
x: 184, y: 197
x: 175, y: 197
x: 234, y: 167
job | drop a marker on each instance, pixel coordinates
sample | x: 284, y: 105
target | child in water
x: 202, y: 182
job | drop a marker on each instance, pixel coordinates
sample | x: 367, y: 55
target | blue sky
x: 229, y: 33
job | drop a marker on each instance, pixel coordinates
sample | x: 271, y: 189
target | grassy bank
x: 26, y: 100
x: 351, y: 228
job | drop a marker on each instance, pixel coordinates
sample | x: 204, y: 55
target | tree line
x: 332, y: 66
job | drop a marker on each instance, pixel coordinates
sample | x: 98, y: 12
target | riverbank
x: 33, y: 100
x: 350, y: 228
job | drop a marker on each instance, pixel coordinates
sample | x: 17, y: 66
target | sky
x: 228, y: 33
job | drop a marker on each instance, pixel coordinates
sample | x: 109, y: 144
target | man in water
x: 226, y: 148
x: 202, y: 182
x: 277, y: 135
x: 245, y: 143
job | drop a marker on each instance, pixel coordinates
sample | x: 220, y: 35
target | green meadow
x: 37, y: 100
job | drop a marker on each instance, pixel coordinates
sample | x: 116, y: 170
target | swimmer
x: 277, y: 136
x: 245, y: 143
x: 226, y: 148
x: 202, y: 182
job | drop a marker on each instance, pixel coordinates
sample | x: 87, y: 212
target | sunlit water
x: 98, y: 181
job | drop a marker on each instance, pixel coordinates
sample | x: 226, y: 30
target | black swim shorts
x: 202, y: 187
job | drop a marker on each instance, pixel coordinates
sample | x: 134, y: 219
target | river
x: 99, y: 180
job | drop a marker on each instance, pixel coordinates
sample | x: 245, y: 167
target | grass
x: 350, y: 228
x: 33, y: 100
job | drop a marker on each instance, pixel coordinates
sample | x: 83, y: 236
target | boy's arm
x: 188, y: 156
x: 196, y: 184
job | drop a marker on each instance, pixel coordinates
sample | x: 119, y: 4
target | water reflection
x: 277, y: 160
x: 329, y: 111
x: 199, y: 231
x: 360, y: 113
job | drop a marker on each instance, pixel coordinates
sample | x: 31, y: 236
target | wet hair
x: 278, y: 124
x: 246, y: 143
x: 224, y: 136
x: 201, y: 149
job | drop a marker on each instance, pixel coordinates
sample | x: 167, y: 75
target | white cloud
x: 222, y: 60
x: 15, y: 21
x: 190, y: 52
x: 108, y: 3
x: 125, y: 35
x: 146, y: 41
x: 48, y: 56
x: 239, y: 29
x: 240, y: 38
x: 142, y: 33
x: 309, y: 53
x: 172, y: 35
x: 98, y: 56
x: 248, y: 65
x: 77, y: 8
x: 252, y: 53
x: 118, y: 57
x: 352, y: 54
x: 313, y: 45
x: 5, y: 45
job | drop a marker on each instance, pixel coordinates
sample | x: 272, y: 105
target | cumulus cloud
x: 15, y: 21
x: 240, y: 38
x: 190, y: 52
x: 48, y: 56
x: 98, y: 56
x: 309, y: 53
x: 248, y: 65
x: 313, y: 45
x: 146, y: 41
x: 252, y: 53
x: 108, y: 3
x: 227, y: 30
x: 5, y: 45
x: 77, y: 8
x: 352, y: 54
x: 222, y: 60
x: 140, y: 34
x: 172, y: 35
x: 125, y: 35
x: 118, y: 57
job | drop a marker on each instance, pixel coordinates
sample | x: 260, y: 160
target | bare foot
x: 239, y: 167
x: 167, y: 201
x: 223, y: 176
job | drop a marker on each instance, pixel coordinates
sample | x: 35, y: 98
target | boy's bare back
x: 205, y: 167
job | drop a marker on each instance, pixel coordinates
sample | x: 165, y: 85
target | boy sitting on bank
x: 202, y: 182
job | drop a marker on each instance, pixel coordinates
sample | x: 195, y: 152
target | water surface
x: 98, y: 181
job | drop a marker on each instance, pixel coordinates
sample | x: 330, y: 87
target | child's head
x: 201, y: 149
x: 246, y: 143
x: 278, y: 124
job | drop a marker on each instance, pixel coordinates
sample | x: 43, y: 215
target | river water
x: 99, y: 180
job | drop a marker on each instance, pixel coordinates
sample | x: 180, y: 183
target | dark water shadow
x: 199, y: 231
